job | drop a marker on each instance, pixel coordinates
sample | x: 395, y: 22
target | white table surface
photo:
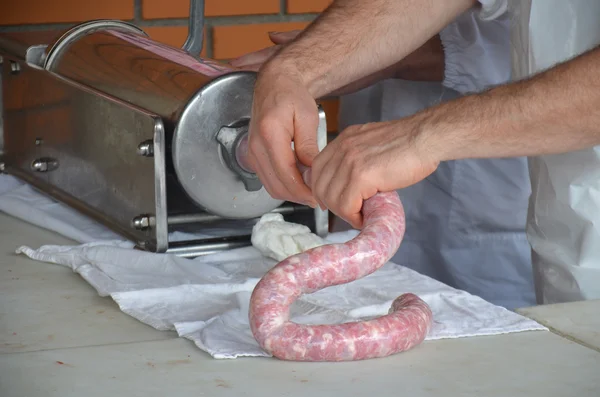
x: 58, y: 338
x: 578, y: 321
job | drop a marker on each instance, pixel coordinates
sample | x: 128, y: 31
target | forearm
x: 553, y: 112
x: 424, y: 64
x: 364, y: 37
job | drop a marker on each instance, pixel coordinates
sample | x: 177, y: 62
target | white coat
x: 563, y: 224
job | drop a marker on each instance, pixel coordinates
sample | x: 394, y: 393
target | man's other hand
x: 366, y: 159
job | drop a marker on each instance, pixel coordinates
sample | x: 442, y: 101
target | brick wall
x: 232, y: 27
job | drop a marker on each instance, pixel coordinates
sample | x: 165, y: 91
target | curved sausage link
x: 406, y: 325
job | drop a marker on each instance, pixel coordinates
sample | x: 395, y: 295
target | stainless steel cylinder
x: 197, y: 99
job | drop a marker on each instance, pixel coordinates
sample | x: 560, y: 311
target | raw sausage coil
x: 405, y: 327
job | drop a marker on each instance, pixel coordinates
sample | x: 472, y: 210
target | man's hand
x: 285, y: 117
x: 350, y: 41
x: 254, y: 60
x: 552, y: 112
x: 366, y: 159
x: 283, y: 111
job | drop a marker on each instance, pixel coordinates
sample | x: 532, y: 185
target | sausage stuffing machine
x: 147, y: 139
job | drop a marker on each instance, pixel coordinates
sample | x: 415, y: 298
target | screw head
x: 15, y: 68
x: 146, y: 149
x: 140, y: 222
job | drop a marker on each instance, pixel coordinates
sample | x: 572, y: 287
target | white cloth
x: 466, y: 221
x: 206, y: 299
x: 564, y: 216
x: 277, y: 239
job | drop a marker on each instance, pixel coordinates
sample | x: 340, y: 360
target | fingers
x: 253, y: 68
x: 283, y: 162
x: 323, y: 175
x: 340, y: 178
x: 351, y: 203
x: 339, y: 192
x: 283, y: 159
x: 306, y: 123
x: 325, y: 168
x: 258, y: 157
x: 255, y: 58
x: 306, y: 148
x: 262, y: 166
x: 358, y: 189
x: 272, y: 158
x: 306, y: 174
x: 283, y: 37
x: 283, y: 112
x: 334, y: 188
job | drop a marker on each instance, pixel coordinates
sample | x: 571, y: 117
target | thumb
x: 306, y: 173
x: 306, y: 149
x: 306, y: 124
x: 283, y: 37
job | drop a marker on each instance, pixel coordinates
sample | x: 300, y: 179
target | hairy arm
x: 364, y: 38
x: 424, y: 64
x: 555, y: 111
x: 427, y: 63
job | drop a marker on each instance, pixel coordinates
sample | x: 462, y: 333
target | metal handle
x: 230, y: 139
x: 194, y: 42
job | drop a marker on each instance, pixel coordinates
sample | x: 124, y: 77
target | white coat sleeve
x: 477, y: 48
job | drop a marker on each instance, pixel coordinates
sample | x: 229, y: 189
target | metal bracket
x: 36, y: 55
